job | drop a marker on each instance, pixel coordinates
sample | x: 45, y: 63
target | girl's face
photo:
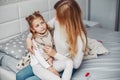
x: 39, y: 26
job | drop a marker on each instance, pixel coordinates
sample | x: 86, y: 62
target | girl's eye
x: 37, y: 25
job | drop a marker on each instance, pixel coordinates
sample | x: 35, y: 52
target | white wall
x: 84, y: 7
x: 12, y: 14
x: 82, y: 4
x: 104, y: 12
x: 4, y: 2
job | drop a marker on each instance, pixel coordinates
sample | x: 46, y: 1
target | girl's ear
x: 32, y: 30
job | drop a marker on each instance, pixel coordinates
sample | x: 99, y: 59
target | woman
x: 70, y: 36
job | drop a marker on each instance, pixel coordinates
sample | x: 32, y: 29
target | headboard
x: 12, y: 16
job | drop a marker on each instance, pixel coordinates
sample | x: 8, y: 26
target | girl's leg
x: 33, y: 78
x: 24, y: 73
x: 66, y: 65
x: 43, y: 73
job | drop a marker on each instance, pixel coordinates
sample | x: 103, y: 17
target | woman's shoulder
x: 53, y: 23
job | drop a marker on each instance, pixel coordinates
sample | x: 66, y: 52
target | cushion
x: 9, y: 63
x: 25, y: 61
x: 1, y: 56
x: 15, y: 47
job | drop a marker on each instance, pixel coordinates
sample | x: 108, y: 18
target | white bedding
x: 9, y: 63
x: 6, y: 75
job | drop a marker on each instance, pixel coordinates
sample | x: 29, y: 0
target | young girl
x: 43, y: 65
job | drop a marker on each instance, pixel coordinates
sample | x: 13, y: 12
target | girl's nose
x: 40, y: 26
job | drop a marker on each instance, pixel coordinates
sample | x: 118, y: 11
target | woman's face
x: 39, y: 26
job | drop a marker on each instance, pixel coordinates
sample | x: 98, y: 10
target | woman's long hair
x: 68, y: 13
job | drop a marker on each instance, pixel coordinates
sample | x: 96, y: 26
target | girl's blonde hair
x: 68, y: 13
x: 30, y: 20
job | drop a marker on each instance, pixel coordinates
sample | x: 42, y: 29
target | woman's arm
x: 51, y: 52
x: 54, y: 71
x: 77, y: 60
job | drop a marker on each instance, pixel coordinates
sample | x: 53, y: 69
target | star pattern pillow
x: 16, y: 47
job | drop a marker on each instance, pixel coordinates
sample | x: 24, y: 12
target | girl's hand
x: 49, y: 51
x: 53, y: 70
x: 30, y: 45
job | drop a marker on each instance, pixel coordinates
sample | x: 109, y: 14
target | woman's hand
x: 50, y: 61
x: 49, y: 51
x: 30, y: 45
x: 53, y: 70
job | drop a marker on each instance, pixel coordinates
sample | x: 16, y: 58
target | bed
x: 104, y: 67
x: 13, y: 31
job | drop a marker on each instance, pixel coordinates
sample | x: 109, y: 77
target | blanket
x: 95, y: 48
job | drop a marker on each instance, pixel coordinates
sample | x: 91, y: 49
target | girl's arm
x: 51, y: 52
x: 44, y: 63
x: 50, y: 61
x: 39, y: 57
x: 41, y: 60
x: 29, y: 43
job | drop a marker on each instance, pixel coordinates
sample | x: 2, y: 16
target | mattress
x: 8, y: 68
x: 105, y: 67
x: 9, y: 63
x: 6, y: 75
